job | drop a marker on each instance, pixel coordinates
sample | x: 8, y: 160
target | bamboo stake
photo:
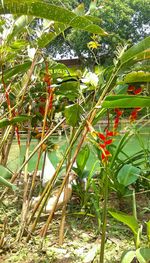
x: 63, y: 216
x: 90, y: 120
x: 46, y: 192
x: 48, y: 81
x: 25, y: 205
x: 45, y: 228
x: 48, y: 134
x: 8, y: 146
x: 64, y: 208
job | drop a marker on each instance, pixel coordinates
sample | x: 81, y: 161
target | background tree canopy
x: 125, y: 21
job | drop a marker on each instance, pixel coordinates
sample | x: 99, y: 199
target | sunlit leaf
x: 143, y: 55
x: 16, y: 70
x: 82, y: 158
x: 22, y: 118
x: 47, y: 37
x: 18, y: 44
x: 126, y: 101
x: 72, y: 114
x: 128, y: 220
x: 135, y: 50
x: 143, y: 255
x: 128, y: 174
x: 137, y: 76
x: 68, y: 88
x: 6, y: 183
x: 128, y: 256
x: 45, y: 10
x: 148, y: 230
x: 18, y: 26
x: 80, y: 9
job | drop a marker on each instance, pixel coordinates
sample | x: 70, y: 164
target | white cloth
x: 49, y: 171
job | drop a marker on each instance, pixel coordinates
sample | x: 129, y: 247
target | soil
x: 81, y: 241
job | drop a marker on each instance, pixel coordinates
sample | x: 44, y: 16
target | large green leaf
x: 82, y: 158
x: 4, y: 122
x: 46, y: 38
x: 143, y: 55
x: 18, y: 26
x: 72, y: 114
x: 126, y: 101
x: 143, y: 255
x: 137, y: 76
x: 3, y: 181
x: 128, y: 256
x: 128, y: 174
x: 17, y: 69
x: 68, y: 88
x: 22, y: 118
x: 135, y: 50
x: 130, y: 221
x: 45, y: 10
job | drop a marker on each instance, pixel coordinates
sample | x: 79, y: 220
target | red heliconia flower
x: 47, y: 79
x: 118, y: 112
x: 137, y: 91
x: 131, y: 88
x: 42, y: 99
x: 101, y: 136
x: 118, y: 115
x: 42, y: 110
x: 116, y: 123
x: 105, y: 154
x: 51, y: 101
x: 108, y: 142
x: 138, y: 108
x: 133, y: 115
x: 109, y: 133
x: 106, y: 136
x: 102, y: 145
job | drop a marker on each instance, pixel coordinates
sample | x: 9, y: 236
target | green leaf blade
x: 72, y: 114
x: 128, y: 256
x: 143, y: 255
x: 135, y: 50
x: 82, y: 158
x: 128, y: 174
x: 126, y: 101
x: 51, y: 12
x: 130, y: 221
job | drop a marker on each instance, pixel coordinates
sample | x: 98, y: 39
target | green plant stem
x: 104, y: 219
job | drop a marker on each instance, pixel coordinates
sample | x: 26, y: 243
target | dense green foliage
x: 124, y: 20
